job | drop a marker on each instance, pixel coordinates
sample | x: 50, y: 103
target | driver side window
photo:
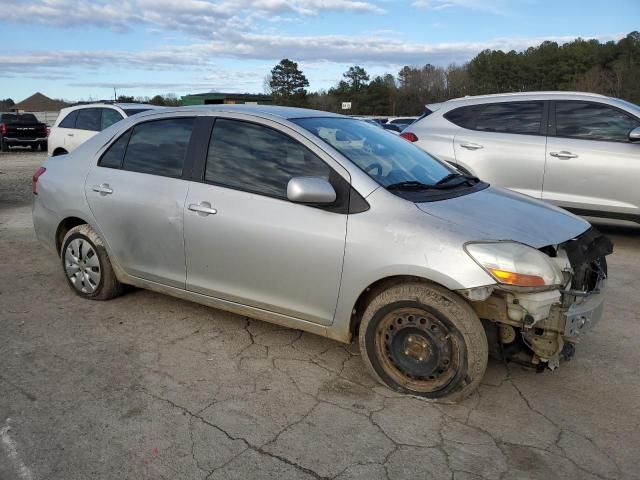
x: 258, y: 159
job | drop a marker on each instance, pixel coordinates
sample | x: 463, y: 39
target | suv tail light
x: 411, y: 137
x: 34, y: 179
x: 3, y: 129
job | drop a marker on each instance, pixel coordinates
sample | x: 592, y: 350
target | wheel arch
x: 59, y: 151
x: 376, y: 287
x: 64, y: 226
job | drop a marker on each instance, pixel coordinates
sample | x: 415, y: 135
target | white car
x: 76, y: 125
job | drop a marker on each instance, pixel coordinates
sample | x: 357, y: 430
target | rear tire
x: 86, y: 265
x: 422, y: 339
x: 3, y: 146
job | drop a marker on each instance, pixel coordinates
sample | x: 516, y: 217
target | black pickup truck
x: 22, y: 129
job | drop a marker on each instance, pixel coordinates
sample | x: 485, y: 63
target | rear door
x: 592, y: 167
x: 255, y: 247
x: 503, y: 143
x: 137, y: 192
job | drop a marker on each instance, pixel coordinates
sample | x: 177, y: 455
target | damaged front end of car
x: 536, y: 318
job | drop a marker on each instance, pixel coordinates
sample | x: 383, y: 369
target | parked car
x: 401, y: 122
x: 327, y: 224
x: 580, y: 151
x: 22, y: 130
x: 76, y: 125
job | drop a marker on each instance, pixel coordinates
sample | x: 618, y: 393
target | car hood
x: 499, y: 214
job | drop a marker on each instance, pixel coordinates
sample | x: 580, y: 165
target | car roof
x: 123, y: 106
x: 526, y: 95
x: 265, y: 111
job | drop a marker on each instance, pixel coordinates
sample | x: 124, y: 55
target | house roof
x: 39, y: 103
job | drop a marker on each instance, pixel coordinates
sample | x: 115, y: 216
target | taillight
x: 34, y: 179
x: 409, y: 136
x: 3, y: 129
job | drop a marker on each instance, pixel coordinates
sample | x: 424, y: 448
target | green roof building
x: 226, y: 99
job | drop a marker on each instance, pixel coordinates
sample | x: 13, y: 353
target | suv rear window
x: 88, y: 119
x: 524, y: 118
x: 69, y: 121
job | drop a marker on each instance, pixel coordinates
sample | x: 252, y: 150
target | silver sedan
x: 327, y: 224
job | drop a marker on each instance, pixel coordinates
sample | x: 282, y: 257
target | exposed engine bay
x: 539, y: 328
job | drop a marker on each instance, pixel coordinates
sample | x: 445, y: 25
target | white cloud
x: 310, y: 50
x: 193, y: 17
x: 496, y: 7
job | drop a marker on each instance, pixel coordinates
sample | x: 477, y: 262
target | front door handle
x: 471, y: 146
x: 102, y: 189
x: 203, y: 208
x: 563, y: 155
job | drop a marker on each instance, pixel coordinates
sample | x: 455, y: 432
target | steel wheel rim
x: 82, y: 265
x: 418, y: 350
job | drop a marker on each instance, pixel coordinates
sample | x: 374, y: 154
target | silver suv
x: 580, y: 151
x: 327, y: 224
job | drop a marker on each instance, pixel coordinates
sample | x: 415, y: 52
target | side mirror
x: 634, y: 135
x: 310, y: 190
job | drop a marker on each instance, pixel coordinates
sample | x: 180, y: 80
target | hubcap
x: 419, y: 350
x: 82, y: 265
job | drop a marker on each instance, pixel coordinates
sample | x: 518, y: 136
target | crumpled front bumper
x: 585, y: 311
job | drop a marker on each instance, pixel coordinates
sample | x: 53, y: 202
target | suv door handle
x: 69, y: 134
x: 102, y: 189
x: 204, y: 208
x: 471, y: 146
x: 563, y: 155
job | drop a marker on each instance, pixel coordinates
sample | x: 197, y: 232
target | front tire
x: 422, y: 339
x: 86, y: 265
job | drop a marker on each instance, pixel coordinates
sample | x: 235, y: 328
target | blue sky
x: 81, y: 49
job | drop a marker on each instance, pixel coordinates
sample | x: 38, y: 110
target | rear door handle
x: 563, y: 155
x: 69, y: 134
x: 102, y: 189
x: 203, y: 208
x: 471, y: 146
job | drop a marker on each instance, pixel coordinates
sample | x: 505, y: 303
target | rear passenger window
x: 258, y: 159
x: 69, y: 121
x: 112, y: 158
x: 159, y: 147
x: 88, y: 119
x: 464, y: 117
x: 109, y: 117
x: 522, y: 118
x: 590, y: 121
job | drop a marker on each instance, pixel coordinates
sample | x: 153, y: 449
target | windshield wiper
x: 409, y: 185
x: 446, y: 181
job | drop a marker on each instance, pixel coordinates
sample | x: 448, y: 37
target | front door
x: 136, y: 193
x: 592, y: 167
x: 246, y: 243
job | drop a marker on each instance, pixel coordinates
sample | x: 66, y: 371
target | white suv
x: 580, y: 151
x: 75, y: 125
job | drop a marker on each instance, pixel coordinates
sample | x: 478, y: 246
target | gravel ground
x: 147, y: 386
x: 16, y: 169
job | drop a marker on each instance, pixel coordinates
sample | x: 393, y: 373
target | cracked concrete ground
x: 148, y: 386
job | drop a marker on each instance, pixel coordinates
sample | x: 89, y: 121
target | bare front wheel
x: 423, y: 339
x: 87, y: 266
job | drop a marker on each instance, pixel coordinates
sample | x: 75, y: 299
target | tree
x: 126, y: 99
x: 357, y: 78
x: 288, y: 83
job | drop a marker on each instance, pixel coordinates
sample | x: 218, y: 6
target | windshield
x: 385, y: 157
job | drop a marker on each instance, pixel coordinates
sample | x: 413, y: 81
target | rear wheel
x: 3, y: 145
x: 86, y: 265
x: 425, y: 340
